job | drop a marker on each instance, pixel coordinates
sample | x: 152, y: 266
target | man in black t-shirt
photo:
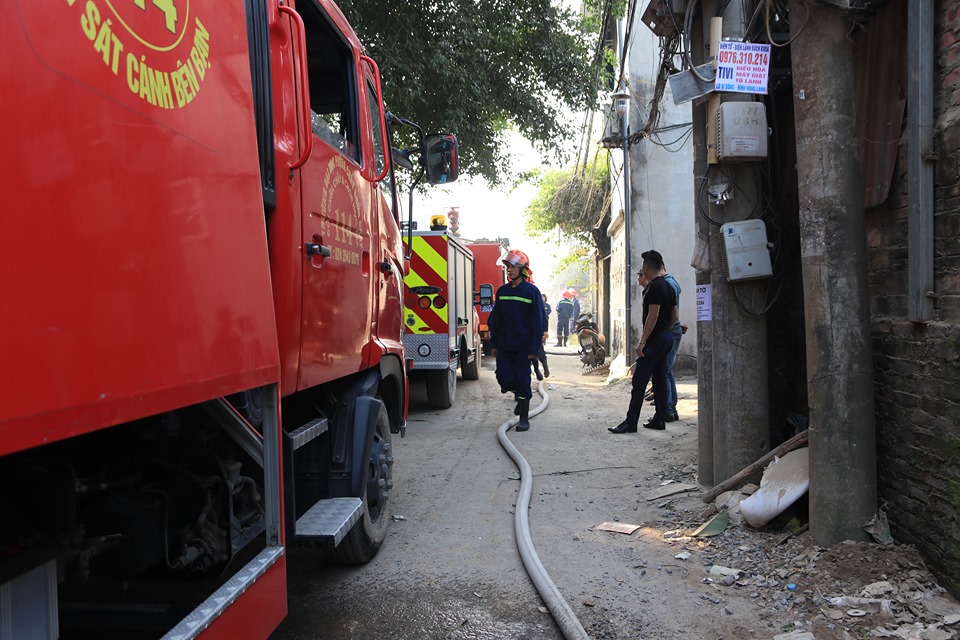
x: 659, y: 314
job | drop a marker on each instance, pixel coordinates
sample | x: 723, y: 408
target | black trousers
x: 653, y: 365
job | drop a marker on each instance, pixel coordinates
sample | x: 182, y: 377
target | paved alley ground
x: 450, y: 568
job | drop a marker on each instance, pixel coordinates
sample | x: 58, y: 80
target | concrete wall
x: 917, y: 367
x: 662, y: 185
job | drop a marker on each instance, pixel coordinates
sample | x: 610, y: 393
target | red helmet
x: 516, y: 257
x: 573, y: 293
x: 520, y: 259
x: 566, y: 295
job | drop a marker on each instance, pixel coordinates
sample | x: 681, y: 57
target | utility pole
x: 627, y: 215
x: 705, y: 475
x: 627, y: 187
x: 740, y: 399
x: 843, y: 474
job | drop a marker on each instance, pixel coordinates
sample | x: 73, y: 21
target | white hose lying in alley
x: 567, y: 621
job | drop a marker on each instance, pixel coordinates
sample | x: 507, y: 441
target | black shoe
x: 655, y: 423
x: 673, y: 417
x: 623, y: 427
x: 539, y: 375
x: 546, y: 369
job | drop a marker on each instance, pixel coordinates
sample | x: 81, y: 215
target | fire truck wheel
x: 470, y: 370
x: 248, y: 404
x: 441, y: 388
x: 364, y: 540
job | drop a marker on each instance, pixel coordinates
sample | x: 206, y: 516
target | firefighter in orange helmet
x: 564, y: 313
x: 516, y: 332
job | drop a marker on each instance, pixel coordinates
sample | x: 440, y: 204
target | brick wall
x: 917, y: 367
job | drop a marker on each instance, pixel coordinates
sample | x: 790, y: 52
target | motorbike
x: 593, y: 353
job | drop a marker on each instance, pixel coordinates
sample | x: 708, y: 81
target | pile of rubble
x: 853, y: 590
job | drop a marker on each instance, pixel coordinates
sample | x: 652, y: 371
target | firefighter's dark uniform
x: 516, y: 331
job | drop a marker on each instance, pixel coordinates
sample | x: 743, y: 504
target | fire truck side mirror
x: 440, y: 155
x: 486, y: 295
x: 401, y: 158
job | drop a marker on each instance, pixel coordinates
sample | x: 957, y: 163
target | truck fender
x: 366, y: 410
x: 353, y: 436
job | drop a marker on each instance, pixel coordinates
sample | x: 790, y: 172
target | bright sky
x: 486, y: 212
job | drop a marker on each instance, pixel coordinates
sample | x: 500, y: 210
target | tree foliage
x: 483, y: 67
x: 574, y: 202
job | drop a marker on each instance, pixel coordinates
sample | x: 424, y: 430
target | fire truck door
x: 338, y: 206
x: 388, y: 263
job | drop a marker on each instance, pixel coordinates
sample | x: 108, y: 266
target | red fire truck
x: 488, y: 270
x: 202, y: 356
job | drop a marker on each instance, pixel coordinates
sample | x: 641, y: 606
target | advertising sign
x: 743, y: 67
x: 704, y: 303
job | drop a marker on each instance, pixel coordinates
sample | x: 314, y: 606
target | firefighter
x: 516, y: 331
x: 547, y: 310
x: 575, y: 315
x: 564, y: 312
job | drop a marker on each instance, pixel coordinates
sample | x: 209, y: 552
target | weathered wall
x: 917, y: 368
x: 662, y: 188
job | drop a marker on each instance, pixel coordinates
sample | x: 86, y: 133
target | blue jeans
x: 671, y: 381
x: 653, y: 365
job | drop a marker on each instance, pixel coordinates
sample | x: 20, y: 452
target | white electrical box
x: 741, y: 131
x: 745, y: 253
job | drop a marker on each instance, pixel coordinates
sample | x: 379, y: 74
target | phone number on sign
x: 744, y: 57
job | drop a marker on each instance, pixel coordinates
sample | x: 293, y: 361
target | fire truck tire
x: 363, y: 541
x: 248, y: 404
x: 470, y: 370
x: 441, y: 388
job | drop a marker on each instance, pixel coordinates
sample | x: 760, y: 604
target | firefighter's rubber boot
x: 524, y: 411
x: 516, y: 409
x: 536, y: 369
x: 546, y: 369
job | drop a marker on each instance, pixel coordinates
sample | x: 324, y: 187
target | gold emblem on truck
x: 152, y: 46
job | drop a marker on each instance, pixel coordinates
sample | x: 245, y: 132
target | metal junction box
x: 745, y: 253
x: 741, y: 131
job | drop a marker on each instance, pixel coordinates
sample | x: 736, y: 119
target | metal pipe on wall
x: 920, y: 160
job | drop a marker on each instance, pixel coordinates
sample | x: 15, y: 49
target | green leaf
x: 712, y: 527
x: 481, y: 68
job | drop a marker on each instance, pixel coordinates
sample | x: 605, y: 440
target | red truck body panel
x: 123, y: 299
x: 487, y: 270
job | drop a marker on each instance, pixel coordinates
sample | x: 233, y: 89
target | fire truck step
x: 327, y: 522
x: 302, y: 435
x: 211, y: 608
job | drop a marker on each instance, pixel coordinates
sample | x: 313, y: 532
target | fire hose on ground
x: 564, y: 616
